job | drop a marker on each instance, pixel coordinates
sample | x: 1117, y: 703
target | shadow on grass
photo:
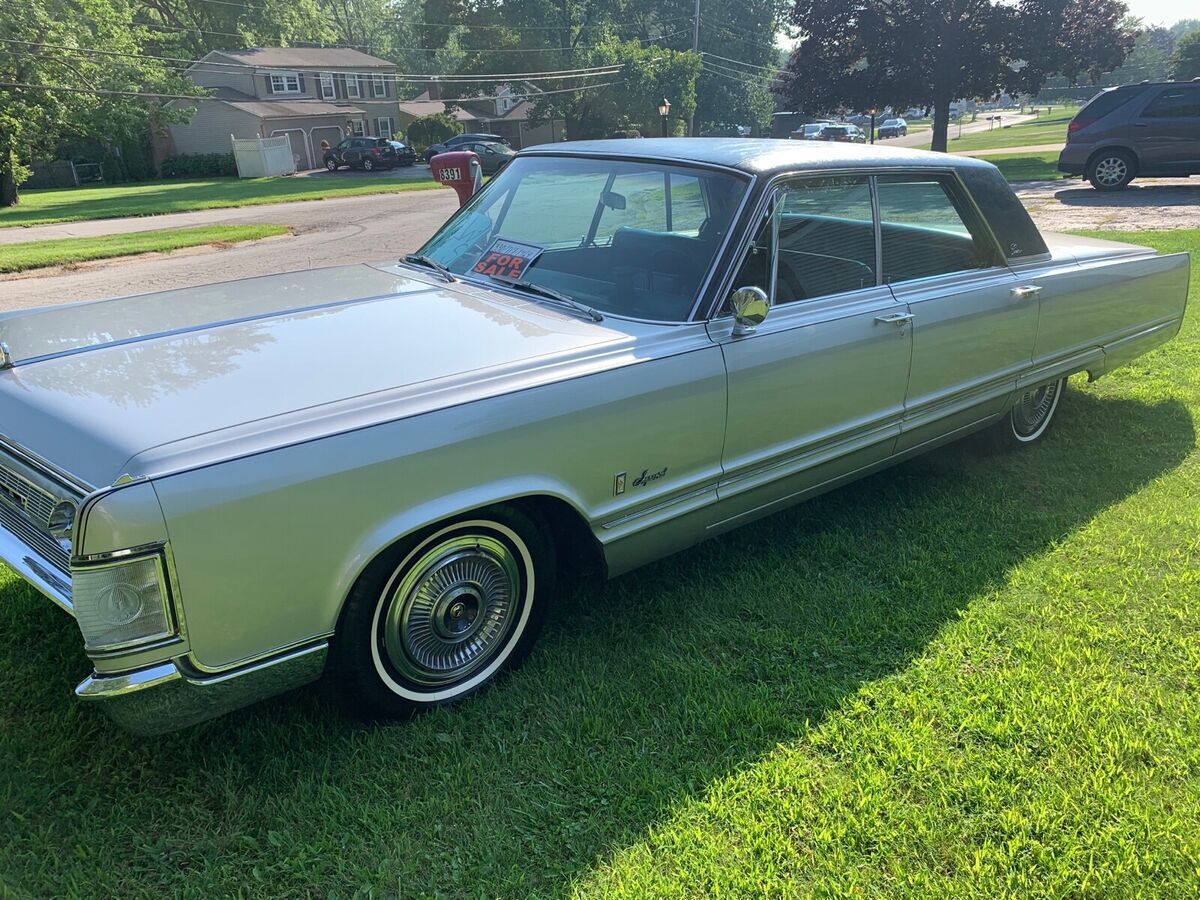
x: 642, y: 693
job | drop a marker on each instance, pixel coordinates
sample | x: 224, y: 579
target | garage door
x: 330, y: 133
x: 299, y: 147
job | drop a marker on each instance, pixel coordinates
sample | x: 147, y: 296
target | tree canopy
x: 874, y: 53
x: 1186, y: 62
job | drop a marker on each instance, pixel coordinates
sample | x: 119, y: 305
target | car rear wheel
x: 1031, y: 416
x: 331, y: 164
x: 368, y: 164
x: 441, y: 615
x: 1111, y: 170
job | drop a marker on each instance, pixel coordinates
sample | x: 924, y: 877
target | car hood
x: 138, y: 385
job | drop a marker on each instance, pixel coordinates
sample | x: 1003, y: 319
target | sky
x: 1163, y: 12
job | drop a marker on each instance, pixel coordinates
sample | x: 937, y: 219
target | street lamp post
x: 664, y: 110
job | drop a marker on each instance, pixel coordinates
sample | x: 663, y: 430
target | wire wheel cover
x: 453, y: 610
x: 1032, y: 410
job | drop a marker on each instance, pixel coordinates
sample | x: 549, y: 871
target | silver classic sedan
x: 613, y: 351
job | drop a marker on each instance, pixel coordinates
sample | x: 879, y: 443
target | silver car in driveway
x: 615, y: 350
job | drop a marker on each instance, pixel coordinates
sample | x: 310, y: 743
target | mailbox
x: 461, y: 170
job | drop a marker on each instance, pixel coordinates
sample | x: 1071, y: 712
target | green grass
x: 1027, y: 166
x: 154, y: 198
x: 1045, y: 130
x: 35, y: 254
x: 969, y: 676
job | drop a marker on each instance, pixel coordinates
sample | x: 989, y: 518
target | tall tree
x: 1186, y: 62
x: 930, y: 52
x: 56, y: 93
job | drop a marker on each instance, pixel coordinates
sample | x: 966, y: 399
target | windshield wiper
x: 428, y: 262
x: 550, y: 294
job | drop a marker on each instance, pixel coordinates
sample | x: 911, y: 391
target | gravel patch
x: 1155, y: 205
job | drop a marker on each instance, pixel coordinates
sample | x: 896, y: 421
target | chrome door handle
x: 1025, y: 291
x: 895, y: 319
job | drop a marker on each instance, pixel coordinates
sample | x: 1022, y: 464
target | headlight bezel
x: 163, y: 602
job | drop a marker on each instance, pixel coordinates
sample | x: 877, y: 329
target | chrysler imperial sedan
x: 613, y: 351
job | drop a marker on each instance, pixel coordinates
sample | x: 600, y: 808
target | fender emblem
x: 647, y: 476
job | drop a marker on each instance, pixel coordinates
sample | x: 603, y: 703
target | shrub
x: 197, y: 165
x: 429, y: 130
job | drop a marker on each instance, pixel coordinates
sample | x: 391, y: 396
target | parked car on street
x: 850, y: 134
x: 366, y: 153
x: 405, y: 155
x: 1148, y: 130
x: 809, y: 131
x: 890, y: 128
x: 458, y: 140
x: 492, y: 156
x: 383, y: 471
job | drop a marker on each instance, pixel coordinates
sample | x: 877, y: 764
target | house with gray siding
x: 310, y: 94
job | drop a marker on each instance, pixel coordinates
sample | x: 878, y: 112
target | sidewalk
x: 1004, y: 151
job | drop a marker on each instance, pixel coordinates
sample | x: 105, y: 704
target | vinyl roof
x: 762, y: 155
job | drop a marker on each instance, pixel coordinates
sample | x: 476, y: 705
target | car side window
x: 924, y: 229
x: 343, y: 145
x: 1175, y: 103
x: 826, y: 238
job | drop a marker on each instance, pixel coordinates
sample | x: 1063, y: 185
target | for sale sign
x: 507, y: 259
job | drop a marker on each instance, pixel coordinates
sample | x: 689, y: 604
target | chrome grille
x: 38, y: 541
x: 26, y: 496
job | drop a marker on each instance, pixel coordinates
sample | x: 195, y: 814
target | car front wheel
x: 1111, y: 170
x: 331, y: 164
x: 442, y: 614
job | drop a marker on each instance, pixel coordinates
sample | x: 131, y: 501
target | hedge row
x: 197, y: 164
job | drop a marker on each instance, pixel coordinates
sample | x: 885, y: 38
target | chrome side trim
x: 170, y: 696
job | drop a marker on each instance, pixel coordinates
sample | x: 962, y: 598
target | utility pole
x: 695, y: 49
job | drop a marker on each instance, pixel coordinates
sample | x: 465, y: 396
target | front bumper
x: 172, y: 695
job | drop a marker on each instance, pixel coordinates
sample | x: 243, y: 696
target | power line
x: 740, y: 63
x: 110, y: 92
x: 469, y: 25
x: 214, y: 67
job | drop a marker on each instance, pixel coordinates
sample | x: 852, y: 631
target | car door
x: 339, y: 152
x: 816, y: 391
x: 1167, y: 131
x: 974, y: 326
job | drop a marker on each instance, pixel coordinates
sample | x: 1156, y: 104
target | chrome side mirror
x: 750, y: 306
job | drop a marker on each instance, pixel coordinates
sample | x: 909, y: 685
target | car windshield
x: 628, y: 238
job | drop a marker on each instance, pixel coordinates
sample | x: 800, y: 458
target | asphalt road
x: 327, y: 233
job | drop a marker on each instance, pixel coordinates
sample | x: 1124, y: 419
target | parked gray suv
x: 1149, y: 130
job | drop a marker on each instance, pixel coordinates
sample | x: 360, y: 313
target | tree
x: 429, y: 130
x: 1186, y: 62
x: 931, y: 52
x: 65, y: 96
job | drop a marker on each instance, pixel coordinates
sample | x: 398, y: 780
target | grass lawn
x: 1046, y: 130
x: 1027, y: 166
x: 156, y: 197
x: 34, y: 254
x: 970, y: 676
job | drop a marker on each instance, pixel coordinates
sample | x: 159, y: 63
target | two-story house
x: 504, y: 112
x: 311, y: 94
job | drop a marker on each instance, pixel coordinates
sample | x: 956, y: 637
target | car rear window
x: 1108, y: 101
x: 1018, y: 236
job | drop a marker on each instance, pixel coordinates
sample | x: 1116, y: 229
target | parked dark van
x: 1149, y: 130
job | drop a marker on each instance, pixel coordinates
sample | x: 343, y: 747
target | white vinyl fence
x: 258, y: 157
